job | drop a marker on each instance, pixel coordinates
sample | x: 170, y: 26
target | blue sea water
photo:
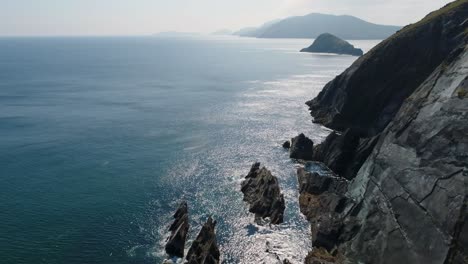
x: 101, y: 138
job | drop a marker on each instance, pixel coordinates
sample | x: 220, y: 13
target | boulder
x: 204, y: 249
x: 261, y: 190
x: 179, y: 229
x: 287, y: 144
x: 328, y: 43
x: 301, y: 148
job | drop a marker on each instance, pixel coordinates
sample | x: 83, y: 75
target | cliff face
x: 367, y: 96
x: 407, y: 102
x: 412, y: 191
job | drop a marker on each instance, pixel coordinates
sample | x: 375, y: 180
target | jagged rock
x: 328, y: 43
x: 344, y: 154
x: 287, y: 144
x: 368, y: 94
x: 408, y: 202
x: 204, y: 249
x: 322, y: 201
x: 301, y: 148
x: 261, y: 190
x: 179, y: 228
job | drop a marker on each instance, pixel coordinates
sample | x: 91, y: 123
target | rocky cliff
x: 403, y: 108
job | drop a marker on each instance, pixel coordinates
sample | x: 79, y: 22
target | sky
x: 144, y: 17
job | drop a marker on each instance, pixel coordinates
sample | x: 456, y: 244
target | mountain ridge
x: 314, y: 24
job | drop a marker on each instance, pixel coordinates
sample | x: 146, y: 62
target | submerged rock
x: 261, y: 190
x: 301, y: 148
x: 204, y: 249
x: 328, y: 43
x: 179, y: 229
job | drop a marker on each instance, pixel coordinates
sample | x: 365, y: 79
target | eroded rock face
x: 344, y: 153
x: 368, y: 94
x: 261, y: 190
x: 322, y: 201
x: 179, y: 229
x: 301, y: 148
x: 328, y: 43
x: 204, y: 249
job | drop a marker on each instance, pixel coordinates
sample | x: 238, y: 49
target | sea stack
x: 176, y: 242
x: 301, y: 148
x: 328, y: 43
x: 204, y: 249
x: 261, y: 190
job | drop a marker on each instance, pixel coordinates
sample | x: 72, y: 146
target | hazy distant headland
x: 312, y: 25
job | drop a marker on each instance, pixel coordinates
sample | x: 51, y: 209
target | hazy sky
x: 141, y: 17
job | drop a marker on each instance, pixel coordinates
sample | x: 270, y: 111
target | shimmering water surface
x: 101, y: 138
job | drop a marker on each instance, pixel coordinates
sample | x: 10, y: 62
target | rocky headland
x: 400, y: 150
x: 328, y: 43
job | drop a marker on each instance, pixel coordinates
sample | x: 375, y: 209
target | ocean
x: 102, y: 137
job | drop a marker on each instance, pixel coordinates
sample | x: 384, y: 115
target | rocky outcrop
x: 204, y: 249
x: 301, y: 148
x: 261, y: 190
x: 322, y: 201
x: 408, y: 200
x: 179, y: 229
x: 368, y: 94
x: 328, y: 43
x: 287, y: 145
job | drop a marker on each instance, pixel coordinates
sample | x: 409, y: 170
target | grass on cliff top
x: 434, y: 15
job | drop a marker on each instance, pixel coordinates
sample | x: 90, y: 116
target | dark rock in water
x: 179, y: 229
x: 286, y: 261
x: 204, y: 249
x: 368, y: 94
x: 327, y: 43
x: 261, y: 190
x: 344, y: 154
x: 301, y: 148
x: 287, y: 144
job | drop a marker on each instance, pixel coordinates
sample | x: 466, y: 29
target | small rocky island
x: 328, y: 43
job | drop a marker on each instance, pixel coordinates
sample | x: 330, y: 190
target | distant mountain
x: 312, y: 25
x: 222, y: 32
x: 255, y: 31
